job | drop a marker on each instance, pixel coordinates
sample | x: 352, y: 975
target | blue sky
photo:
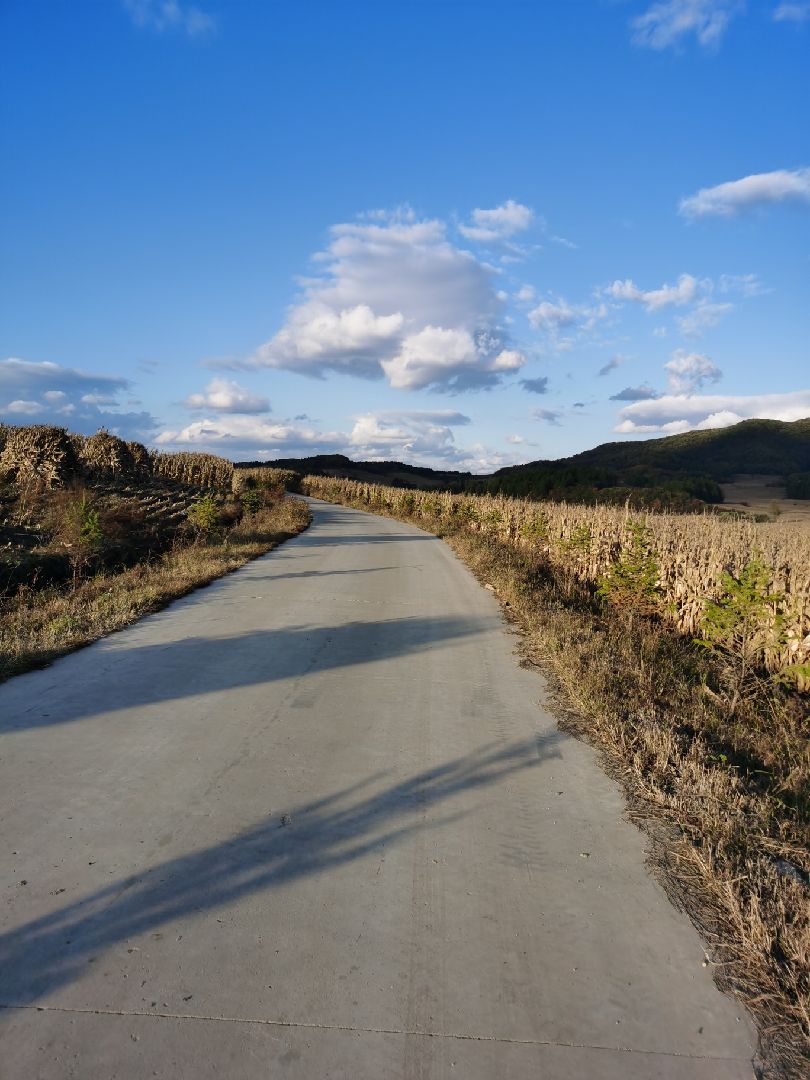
x: 454, y: 233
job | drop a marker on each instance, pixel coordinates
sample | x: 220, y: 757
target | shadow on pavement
x: 341, y: 828
x: 139, y: 675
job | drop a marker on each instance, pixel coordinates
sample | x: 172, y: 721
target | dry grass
x: 265, y: 477
x: 722, y: 791
x: 691, y: 552
x: 764, y: 495
x: 37, y: 627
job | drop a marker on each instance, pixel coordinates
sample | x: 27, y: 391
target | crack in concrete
x: 293, y: 1024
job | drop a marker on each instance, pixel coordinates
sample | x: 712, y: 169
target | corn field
x: 51, y: 457
x: 691, y: 553
x: 265, y: 476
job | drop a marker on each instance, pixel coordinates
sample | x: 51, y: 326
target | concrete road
x: 314, y: 821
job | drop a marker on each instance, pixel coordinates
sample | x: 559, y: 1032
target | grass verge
x: 39, y: 626
x: 722, y: 791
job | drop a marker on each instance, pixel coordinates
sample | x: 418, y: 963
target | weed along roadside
x: 679, y: 648
x: 99, y: 532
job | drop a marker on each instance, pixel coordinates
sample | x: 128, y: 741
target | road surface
x: 314, y: 821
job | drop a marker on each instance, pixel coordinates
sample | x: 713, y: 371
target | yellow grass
x: 38, y: 626
x: 692, y: 551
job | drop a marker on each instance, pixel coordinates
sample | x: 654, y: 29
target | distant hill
x: 674, y: 471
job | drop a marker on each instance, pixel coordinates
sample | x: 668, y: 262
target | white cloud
x: 566, y: 323
x: 704, y: 316
x: 668, y: 22
x: 21, y: 407
x: 226, y: 396
x: 725, y: 200
x: 396, y: 298
x: 683, y: 292
x: 65, y: 396
x: 688, y: 372
x: 239, y: 435
x: 415, y: 436
x: 499, y: 224
x: 167, y: 15
x: 792, y: 12
x: 418, y: 437
x: 744, y: 284
x: 685, y: 412
x: 525, y: 294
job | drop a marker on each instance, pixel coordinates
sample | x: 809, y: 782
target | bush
x: 203, y: 516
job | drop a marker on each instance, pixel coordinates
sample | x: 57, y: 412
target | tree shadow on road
x: 129, y: 675
x: 320, y: 836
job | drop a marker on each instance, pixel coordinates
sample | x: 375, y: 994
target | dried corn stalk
x: 38, y: 454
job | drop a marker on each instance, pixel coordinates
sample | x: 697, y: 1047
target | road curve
x: 314, y: 821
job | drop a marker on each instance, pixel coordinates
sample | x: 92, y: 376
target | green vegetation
x: 94, y: 532
x: 680, y: 473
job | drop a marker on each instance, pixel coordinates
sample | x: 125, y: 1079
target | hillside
x: 678, y: 471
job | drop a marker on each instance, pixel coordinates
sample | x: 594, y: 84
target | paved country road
x: 314, y: 821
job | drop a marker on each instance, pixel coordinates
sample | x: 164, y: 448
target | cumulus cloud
x: 226, y: 396
x: 395, y: 298
x: 416, y: 436
x: 243, y: 436
x: 792, y: 12
x: 685, y: 412
x: 499, y: 224
x: 47, y: 393
x: 668, y: 22
x: 728, y: 199
x: 636, y: 393
x: 565, y: 323
x: 683, y: 292
x: 688, y: 372
x: 170, y: 15
x: 536, y: 386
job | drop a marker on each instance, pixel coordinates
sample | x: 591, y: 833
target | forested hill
x: 673, y: 471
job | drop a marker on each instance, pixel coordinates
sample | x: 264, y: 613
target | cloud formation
x: 499, y: 224
x: 734, y: 196
x: 536, y: 386
x: 793, y: 12
x: 683, y: 292
x: 672, y: 414
x: 241, y: 436
x: 668, y: 22
x: 47, y: 393
x: 688, y: 372
x: 396, y: 299
x: 226, y: 396
x: 418, y: 437
x: 615, y: 361
x: 704, y: 316
x: 548, y: 416
x: 414, y: 435
x: 564, y: 323
x: 636, y: 393
x: 170, y: 15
